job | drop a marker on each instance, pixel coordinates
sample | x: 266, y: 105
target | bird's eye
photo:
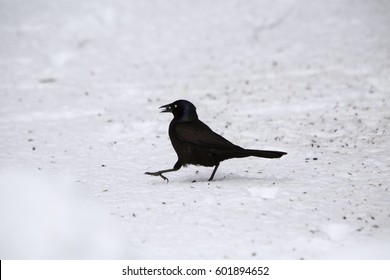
x: 175, y: 106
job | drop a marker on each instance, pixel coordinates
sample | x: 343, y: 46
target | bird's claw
x: 157, y: 174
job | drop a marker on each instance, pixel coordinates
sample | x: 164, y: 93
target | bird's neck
x: 187, y: 117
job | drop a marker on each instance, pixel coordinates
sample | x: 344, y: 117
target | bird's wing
x: 198, y: 133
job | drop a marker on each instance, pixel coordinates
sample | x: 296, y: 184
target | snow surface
x: 80, y: 87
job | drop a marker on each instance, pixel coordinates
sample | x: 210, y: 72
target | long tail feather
x: 263, y: 153
x: 241, y: 153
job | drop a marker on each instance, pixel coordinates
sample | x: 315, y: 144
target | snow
x: 80, y: 87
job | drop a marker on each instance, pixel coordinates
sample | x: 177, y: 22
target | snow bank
x: 41, y: 218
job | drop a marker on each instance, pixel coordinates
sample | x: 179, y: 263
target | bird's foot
x: 157, y: 174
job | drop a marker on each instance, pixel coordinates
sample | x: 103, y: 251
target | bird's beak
x: 166, y: 108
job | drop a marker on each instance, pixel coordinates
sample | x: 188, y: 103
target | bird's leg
x: 159, y: 173
x: 215, y: 170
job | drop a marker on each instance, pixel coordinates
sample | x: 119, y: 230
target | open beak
x: 166, y: 108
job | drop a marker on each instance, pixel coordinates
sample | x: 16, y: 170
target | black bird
x: 195, y: 143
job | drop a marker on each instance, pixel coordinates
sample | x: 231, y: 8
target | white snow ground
x: 80, y: 87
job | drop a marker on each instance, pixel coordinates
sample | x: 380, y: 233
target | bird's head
x: 182, y: 110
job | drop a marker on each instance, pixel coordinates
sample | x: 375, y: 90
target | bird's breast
x: 189, y: 153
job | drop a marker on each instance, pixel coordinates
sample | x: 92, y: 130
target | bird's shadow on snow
x: 198, y: 180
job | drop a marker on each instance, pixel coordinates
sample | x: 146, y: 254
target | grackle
x: 195, y: 143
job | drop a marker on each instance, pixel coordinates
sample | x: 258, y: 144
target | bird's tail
x: 262, y: 153
x: 241, y: 153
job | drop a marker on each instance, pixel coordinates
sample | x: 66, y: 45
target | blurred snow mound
x: 41, y: 218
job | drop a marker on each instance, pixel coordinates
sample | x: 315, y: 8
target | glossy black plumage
x: 195, y: 143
